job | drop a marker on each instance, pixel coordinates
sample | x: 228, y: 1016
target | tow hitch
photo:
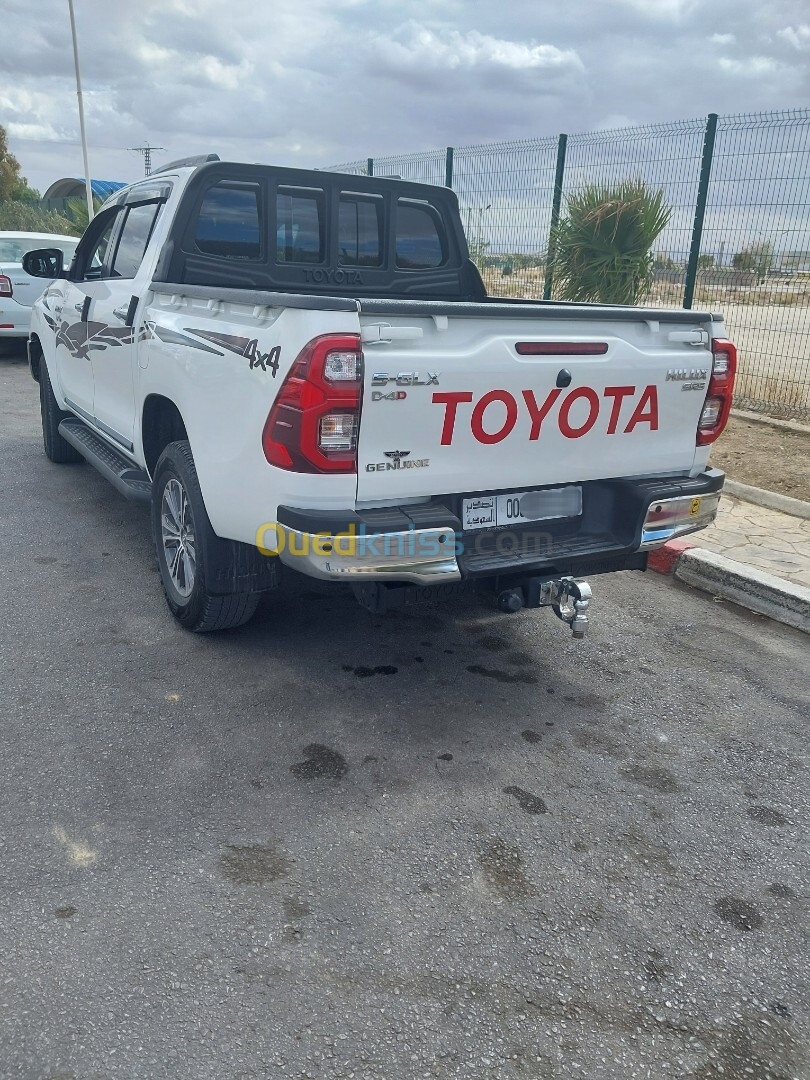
x: 568, y: 598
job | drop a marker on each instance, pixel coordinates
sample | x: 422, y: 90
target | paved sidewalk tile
x: 764, y: 538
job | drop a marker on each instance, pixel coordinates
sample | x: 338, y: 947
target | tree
x: 17, y: 216
x: 601, y: 250
x: 756, y: 257
x: 705, y: 262
x: 77, y: 211
x: 743, y: 260
x: 9, y: 168
x: 663, y: 262
x: 13, y: 186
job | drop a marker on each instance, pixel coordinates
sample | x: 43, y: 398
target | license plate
x: 493, y: 511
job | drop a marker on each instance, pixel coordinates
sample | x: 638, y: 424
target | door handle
x: 689, y: 337
x: 384, y: 333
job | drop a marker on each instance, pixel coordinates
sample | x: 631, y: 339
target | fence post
x: 700, y: 210
x: 562, y: 142
x: 370, y: 166
x: 448, y: 167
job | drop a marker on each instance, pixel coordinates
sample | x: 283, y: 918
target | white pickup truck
x: 303, y: 370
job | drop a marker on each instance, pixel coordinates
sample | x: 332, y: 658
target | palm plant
x: 602, y: 248
x: 77, y: 211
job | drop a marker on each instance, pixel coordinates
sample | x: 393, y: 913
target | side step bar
x: 127, y: 478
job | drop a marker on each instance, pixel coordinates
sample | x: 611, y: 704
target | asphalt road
x: 448, y: 843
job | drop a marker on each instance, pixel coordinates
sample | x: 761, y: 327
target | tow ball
x: 569, y: 599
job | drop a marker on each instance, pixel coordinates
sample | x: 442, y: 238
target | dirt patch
x: 766, y: 457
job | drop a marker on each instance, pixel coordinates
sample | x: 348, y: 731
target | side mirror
x: 44, y: 263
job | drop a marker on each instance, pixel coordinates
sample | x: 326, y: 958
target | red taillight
x: 6, y: 288
x: 717, y: 406
x: 561, y: 348
x: 313, y: 425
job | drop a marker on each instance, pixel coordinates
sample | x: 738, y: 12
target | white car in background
x: 19, y: 290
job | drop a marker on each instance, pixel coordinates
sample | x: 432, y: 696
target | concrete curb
x: 754, y: 589
x: 771, y: 499
x: 759, y: 418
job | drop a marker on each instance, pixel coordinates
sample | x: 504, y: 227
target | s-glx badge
x: 405, y: 378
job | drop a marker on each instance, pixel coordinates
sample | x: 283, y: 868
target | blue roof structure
x: 104, y: 188
x: 72, y: 186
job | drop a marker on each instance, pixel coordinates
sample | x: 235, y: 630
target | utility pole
x: 146, y: 150
x: 88, y: 188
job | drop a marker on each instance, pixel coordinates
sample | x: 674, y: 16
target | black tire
x: 186, y: 592
x: 57, y: 449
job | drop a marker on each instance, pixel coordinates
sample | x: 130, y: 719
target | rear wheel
x: 57, y: 449
x: 182, y: 534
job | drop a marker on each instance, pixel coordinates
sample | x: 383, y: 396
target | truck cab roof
x: 299, y: 230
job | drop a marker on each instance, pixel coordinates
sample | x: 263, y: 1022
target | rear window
x: 360, y: 229
x: 228, y: 225
x: 13, y: 248
x: 419, y: 237
x: 299, y: 225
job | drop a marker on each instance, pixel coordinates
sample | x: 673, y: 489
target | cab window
x: 420, y: 236
x: 134, y: 238
x: 228, y: 224
x: 95, y: 260
x: 299, y: 225
x: 360, y: 229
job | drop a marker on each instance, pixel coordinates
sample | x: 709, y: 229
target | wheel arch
x: 35, y: 352
x: 161, y: 423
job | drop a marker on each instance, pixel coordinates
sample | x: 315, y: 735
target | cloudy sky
x: 316, y: 82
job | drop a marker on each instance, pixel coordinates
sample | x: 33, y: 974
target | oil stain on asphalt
x: 656, y: 779
x: 322, y: 763
x: 738, y: 913
x: 531, y: 804
x: 501, y: 676
x: 764, y: 815
x: 363, y: 672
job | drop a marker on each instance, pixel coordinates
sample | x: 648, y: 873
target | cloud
x: 750, y: 65
x: 663, y: 9
x: 418, y: 47
x: 798, y: 37
x: 336, y: 80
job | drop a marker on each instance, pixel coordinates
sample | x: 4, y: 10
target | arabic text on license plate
x: 492, y: 511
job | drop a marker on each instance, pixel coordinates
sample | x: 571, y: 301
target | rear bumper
x: 15, y: 319
x: 425, y: 544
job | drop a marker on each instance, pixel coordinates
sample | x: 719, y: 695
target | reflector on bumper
x: 668, y: 518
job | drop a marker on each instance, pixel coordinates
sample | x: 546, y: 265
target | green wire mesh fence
x: 737, y: 240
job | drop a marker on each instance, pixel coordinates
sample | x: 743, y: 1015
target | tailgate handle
x: 689, y: 337
x: 384, y: 333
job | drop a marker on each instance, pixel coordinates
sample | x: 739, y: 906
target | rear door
x: 112, y: 311
x: 488, y: 403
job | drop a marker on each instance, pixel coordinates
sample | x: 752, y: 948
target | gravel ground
x: 448, y: 843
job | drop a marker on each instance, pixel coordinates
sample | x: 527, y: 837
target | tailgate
x: 460, y: 403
